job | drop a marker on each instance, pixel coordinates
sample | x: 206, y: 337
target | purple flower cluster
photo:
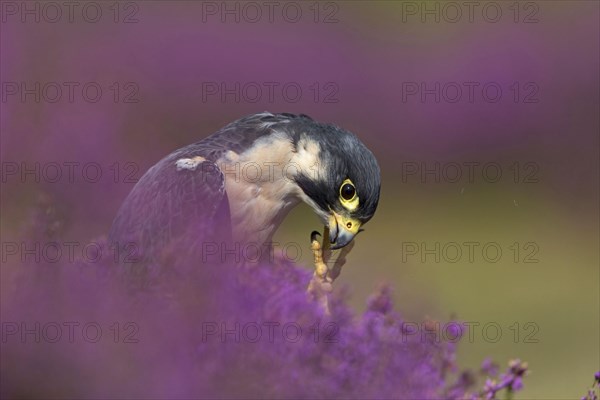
x: 231, y: 332
x: 594, y: 390
x: 511, y: 380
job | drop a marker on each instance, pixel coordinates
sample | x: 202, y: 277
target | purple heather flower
x: 517, y: 384
x: 511, y: 380
x: 592, y: 395
x: 381, y: 301
x: 234, y: 332
x: 488, y: 367
x: 489, y: 389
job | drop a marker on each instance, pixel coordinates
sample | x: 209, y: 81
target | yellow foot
x: 321, y: 285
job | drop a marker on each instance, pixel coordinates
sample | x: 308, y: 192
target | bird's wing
x: 173, y: 202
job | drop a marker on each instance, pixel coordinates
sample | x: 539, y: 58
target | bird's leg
x: 320, y: 285
x: 319, y: 260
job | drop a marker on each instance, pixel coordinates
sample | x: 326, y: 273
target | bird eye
x: 347, y: 191
x: 348, y: 196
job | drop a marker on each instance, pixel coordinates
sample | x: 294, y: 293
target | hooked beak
x: 342, y: 230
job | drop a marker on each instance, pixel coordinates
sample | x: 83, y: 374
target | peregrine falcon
x: 240, y: 183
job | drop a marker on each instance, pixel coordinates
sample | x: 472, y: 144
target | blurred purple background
x: 179, y: 70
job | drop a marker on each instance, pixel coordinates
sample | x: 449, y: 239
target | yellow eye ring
x: 348, y: 195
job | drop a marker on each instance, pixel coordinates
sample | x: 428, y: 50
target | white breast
x: 260, y: 188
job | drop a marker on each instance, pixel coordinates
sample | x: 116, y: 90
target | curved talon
x: 313, y: 236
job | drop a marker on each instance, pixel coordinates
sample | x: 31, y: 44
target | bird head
x: 339, y: 178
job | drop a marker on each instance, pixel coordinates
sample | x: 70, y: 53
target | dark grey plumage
x: 166, y: 205
x: 347, y: 158
x: 171, y: 204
